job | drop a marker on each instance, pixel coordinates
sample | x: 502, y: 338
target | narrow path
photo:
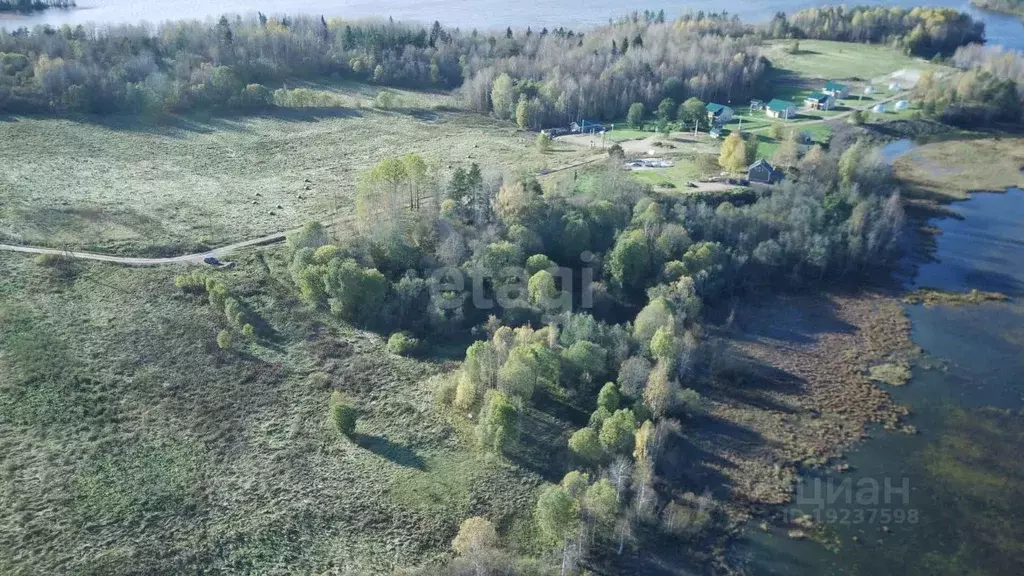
x: 133, y: 261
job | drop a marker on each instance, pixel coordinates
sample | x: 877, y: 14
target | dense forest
x: 557, y: 78
x: 539, y: 77
x: 596, y: 294
x: 924, y: 32
x: 33, y: 5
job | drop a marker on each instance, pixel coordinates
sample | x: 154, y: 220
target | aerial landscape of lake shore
x: 308, y: 290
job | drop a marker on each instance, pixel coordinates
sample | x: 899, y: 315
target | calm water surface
x: 482, y: 14
x: 964, y: 509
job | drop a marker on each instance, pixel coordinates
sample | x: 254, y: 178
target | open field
x: 824, y: 59
x: 130, y: 188
x: 951, y: 169
x: 133, y: 445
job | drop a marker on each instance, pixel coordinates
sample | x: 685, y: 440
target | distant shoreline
x: 21, y: 8
x: 1008, y: 7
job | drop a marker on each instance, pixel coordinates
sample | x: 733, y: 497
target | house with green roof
x: 780, y: 109
x: 836, y: 89
x: 818, y: 101
x: 719, y: 113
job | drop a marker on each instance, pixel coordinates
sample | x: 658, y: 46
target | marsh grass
x: 953, y: 168
x: 132, y: 444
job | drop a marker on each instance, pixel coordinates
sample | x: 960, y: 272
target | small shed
x: 719, y: 113
x: 763, y: 172
x: 901, y: 105
x: 895, y: 87
x: 878, y: 109
x: 836, y: 89
x: 869, y: 90
x: 780, y: 109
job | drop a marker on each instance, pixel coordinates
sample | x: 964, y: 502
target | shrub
x: 475, y: 535
x: 691, y: 401
x: 386, y: 99
x: 343, y: 415
x: 318, y: 380
x: 224, y: 339
x: 193, y: 282
x: 249, y: 331
x: 689, y: 515
x: 543, y: 143
x: 444, y: 394
x: 403, y: 344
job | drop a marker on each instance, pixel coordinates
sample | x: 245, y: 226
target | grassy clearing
x: 132, y: 444
x: 951, y: 169
x: 126, y: 187
x: 676, y: 177
x: 840, y: 60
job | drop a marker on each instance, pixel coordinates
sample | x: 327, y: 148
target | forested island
x: 1015, y: 7
x: 25, y: 6
x: 320, y: 296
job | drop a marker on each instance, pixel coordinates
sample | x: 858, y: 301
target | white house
x: 780, y: 109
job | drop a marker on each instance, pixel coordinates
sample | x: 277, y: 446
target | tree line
x: 924, y: 32
x: 33, y: 5
x: 553, y: 79
x: 227, y: 64
x: 537, y: 78
x: 987, y: 88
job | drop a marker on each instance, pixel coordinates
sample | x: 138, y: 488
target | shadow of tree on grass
x: 397, y: 453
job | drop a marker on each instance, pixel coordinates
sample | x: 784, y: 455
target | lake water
x: 482, y: 14
x: 963, y: 511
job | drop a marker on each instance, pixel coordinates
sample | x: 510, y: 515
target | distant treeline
x: 990, y: 87
x: 540, y: 77
x: 33, y: 5
x: 561, y: 74
x: 556, y: 78
x: 924, y: 32
x: 1004, y: 6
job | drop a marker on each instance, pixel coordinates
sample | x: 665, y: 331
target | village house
x: 818, y: 101
x: 836, y: 90
x: 780, y: 109
x: 719, y: 113
x: 763, y: 172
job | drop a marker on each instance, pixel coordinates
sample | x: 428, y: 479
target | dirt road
x: 218, y: 253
